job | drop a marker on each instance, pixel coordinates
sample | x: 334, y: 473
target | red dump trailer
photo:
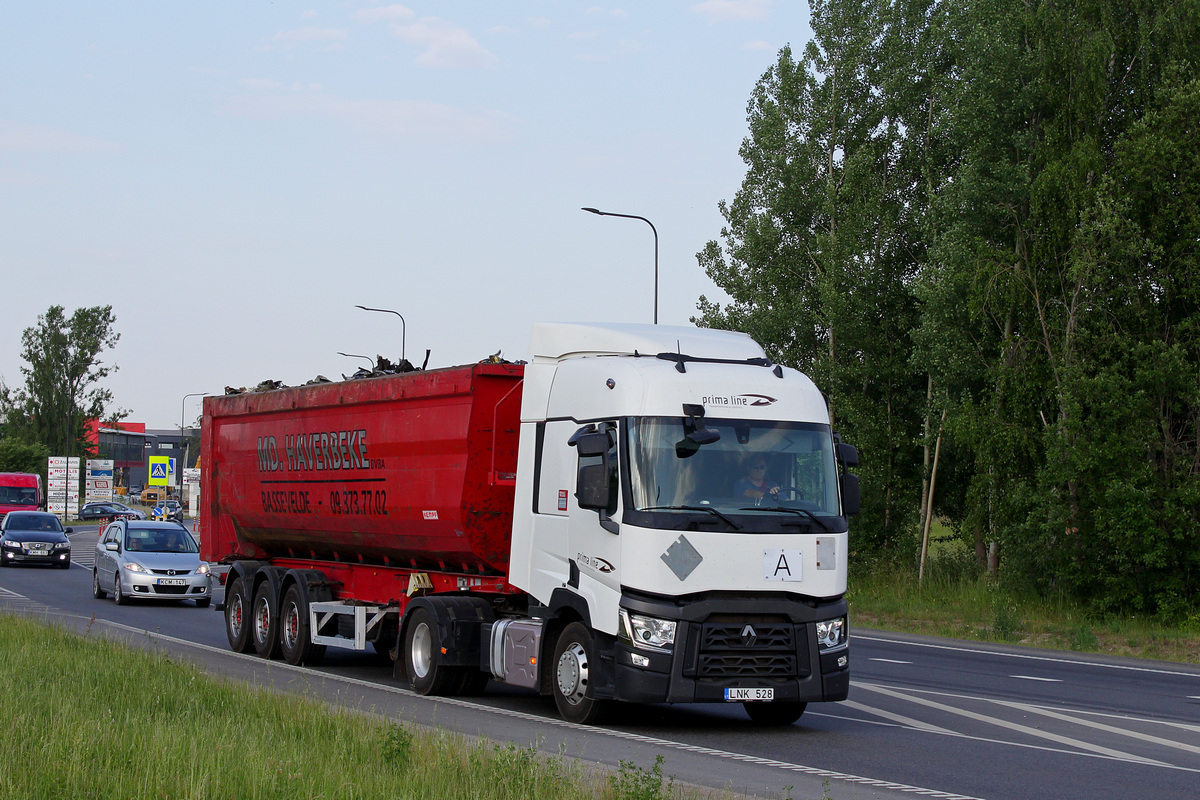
x: 368, y: 481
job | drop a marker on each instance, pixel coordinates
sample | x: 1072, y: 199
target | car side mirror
x: 69, y: 530
x: 113, y: 547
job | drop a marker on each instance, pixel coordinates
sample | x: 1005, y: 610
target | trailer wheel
x: 264, y: 622
x: 774, y: 713
x: 237, y: 616
x: 422, y: 654
x: 294, y: 638
x: 571, y: 682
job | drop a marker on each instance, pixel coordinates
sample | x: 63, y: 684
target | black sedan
x: 109, y: 510
x: 34, y: 537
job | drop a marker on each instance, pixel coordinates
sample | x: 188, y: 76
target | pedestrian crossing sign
x: 159, y: 470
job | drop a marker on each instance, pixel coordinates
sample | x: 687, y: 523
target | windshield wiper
x: 709, y: 509
x: 803, y: 511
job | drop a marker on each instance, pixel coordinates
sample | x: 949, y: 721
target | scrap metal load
x: 415, y: 470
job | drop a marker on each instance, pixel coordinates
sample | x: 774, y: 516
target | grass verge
x: 954, y: 601
x: 90, y: 718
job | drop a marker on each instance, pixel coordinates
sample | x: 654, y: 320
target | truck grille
x: 751, y: 649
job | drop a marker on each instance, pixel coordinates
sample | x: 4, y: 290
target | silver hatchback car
x: 158, y: 560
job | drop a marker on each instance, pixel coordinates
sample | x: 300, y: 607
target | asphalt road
x: 931, y: 717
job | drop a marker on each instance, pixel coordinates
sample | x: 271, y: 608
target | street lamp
x: 403, y: 325
x: 352, y: 355
x: 187, y: 452
x: 651, y: 224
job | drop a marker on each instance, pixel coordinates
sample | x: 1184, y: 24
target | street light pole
x: 179, y: 475
x: 403, y: 325
x: 651, y: 224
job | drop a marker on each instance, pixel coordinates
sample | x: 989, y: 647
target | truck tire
x: 774, y: 713
x: 571, y: 681
x: 264, y: 621
x: 422, y: 656
x: 237, y: 616
x: 294, y: 639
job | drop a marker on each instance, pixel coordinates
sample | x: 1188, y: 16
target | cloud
x: 445, y: 45
x: 18, y: 137
x: 259, y: 84
x: 732, y: 10
x: 404, y: 120
x: 310, y: 33
x: 442, y: 44
x: 390, y: 13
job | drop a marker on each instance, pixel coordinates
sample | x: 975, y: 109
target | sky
x: 233, y: 178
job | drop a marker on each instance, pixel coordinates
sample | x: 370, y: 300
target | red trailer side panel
x: 413, y: 470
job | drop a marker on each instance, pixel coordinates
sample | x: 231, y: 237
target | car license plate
x: 171, y: 582
x: 744, y: 694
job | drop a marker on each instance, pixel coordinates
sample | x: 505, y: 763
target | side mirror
x: 847, y: 454
x: 593, y: 489
x: 592, y: 444
x: 69, y: 530
x: 112, y: 547
x: 851, y: 501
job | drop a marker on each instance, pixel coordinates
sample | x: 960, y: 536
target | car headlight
x: 13, y: 545
x: 133, y: 566
x: 647, y: 633
x: 63, y: 546
x: 202, y: 569
x: 831, y: 633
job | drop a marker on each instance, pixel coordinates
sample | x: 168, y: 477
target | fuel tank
x: 415, y: 470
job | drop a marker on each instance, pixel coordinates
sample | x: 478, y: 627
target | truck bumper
x: 724, y: 642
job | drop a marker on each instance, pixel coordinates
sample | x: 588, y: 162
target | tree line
x: 48, y: 415
x: 975, y: 224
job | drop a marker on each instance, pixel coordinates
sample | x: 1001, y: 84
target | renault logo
x: 749, y: 636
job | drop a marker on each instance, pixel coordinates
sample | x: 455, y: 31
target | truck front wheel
x: 237, y: 616
x: 422, y: 653
x: 264, y: 621
x: 574, y: 658
x: 294, y: 638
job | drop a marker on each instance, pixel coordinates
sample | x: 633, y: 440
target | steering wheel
x: 798, y: 494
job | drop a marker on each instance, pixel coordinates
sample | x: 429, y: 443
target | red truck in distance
x: 570, y: 525
x: 20, y: 491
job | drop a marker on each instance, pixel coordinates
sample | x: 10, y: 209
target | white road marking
x: 1026, y: 656
x: 908, y: 722
x: 1013, y: 726
x: 889, y: 660
x: 1035, y: 678
x: 1145, y: 737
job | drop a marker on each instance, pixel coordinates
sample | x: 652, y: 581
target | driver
x: 755, y: 485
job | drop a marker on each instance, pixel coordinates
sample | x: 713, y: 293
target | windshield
x: 32, y: 522
x: 755, y: 467
x: 18, y: 495
x: 160, y: 541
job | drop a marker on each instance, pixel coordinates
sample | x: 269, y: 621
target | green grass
x: 89, y: 718
x: 956, y: 601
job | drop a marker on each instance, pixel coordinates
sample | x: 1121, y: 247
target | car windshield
x: 31, y: 522
x: 159, y: 541
x: 755, y: 466
x: 18, y: 495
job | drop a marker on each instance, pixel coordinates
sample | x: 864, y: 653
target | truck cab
x: 631, y: 518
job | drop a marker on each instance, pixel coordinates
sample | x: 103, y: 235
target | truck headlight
x: 831, y: 634
x: 647, y: 633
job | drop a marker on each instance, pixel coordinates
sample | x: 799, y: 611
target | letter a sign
x: 159, y: 468
x: 782, y: 565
